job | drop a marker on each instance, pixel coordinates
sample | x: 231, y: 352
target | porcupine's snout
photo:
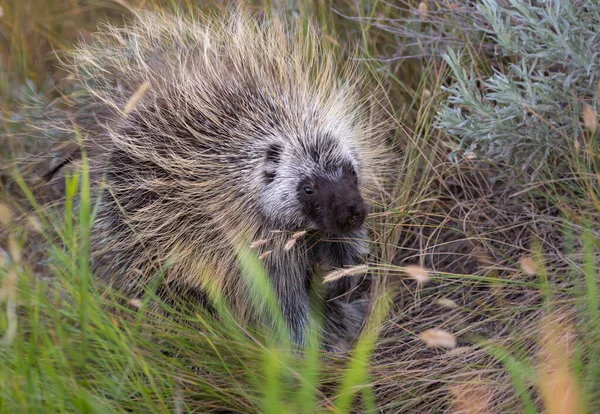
x: 344, y: 209
x: 333, y: 203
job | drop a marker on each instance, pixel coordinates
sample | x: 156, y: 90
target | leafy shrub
x: 527, y: 114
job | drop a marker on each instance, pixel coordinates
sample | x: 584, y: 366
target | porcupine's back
x: 182, y: 168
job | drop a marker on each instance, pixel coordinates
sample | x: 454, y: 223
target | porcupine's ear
x: 273, y: 153
x: 272, y: 157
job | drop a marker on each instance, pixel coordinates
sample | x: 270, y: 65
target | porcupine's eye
x: 308, y: 191
x: 350, y: 168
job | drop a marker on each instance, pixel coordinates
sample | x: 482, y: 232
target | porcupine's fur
x: 238, y: 116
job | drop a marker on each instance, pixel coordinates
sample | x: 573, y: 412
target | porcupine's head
x: 321, y: 155
x: 313, y: 184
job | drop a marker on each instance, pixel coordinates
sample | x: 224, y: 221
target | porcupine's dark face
x: 313, y: 188
x: 333, y: 201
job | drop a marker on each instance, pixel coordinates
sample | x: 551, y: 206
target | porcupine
x: 246, y: 132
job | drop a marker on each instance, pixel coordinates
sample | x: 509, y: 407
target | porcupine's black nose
x: 337, y: 205
x: 346, y: 209
x: 352, y: 214
x: 358, y: 213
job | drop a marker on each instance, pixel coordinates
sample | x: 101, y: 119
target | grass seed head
x: 340, y: 273
x: 258, y: 243
x: 14, y: 249
x: 423, y: 8
x: 265, y: 255
x: 438, y: 338
x: 298, y: 234
x: 528, y: 266
x: 447, y: 303
x: 418, y: 273
x: 34, y: 224
x: 5, y: 214
x: 590, y: 119
x: 291, y: 242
